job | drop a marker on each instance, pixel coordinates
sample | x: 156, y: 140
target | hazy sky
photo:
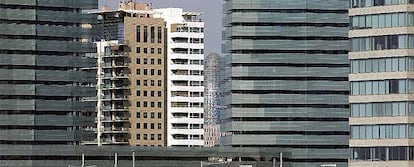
x: 212, y: 14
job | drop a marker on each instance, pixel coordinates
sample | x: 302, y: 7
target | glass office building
x: 288, y: 78
x: 382, y: 83
x: 42, y: 83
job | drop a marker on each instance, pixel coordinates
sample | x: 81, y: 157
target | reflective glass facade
x: 42, y: 81
x: 287, y: 72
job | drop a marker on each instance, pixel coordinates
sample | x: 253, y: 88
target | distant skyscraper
x: 288, y: 78
x: 213, y: 98
x: 42, y: 82
x: 382, y: 84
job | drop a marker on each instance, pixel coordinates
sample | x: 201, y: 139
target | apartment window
x: 159, y: 126
x: 145, y: 137
x: 152, y: 51
x: 159, y: 36
x: 145, y: 72
x: 159, y: 61
x: 145, y: 50
x: 153, y: 72
x: 152, y: 83
x: 152, y: 93
x: 159, y: 104
x: 159, y: 72
x: 138, y: 126
x: 159, y: 82
x: 138, y: 33
x: 152, y: 137
x: 138, y: 104
x: 138, y: 82
x: 152, y: 126
x: 138, y: 136
x: 159, y: 115
x: 152, y: 34
x: 145, y: 104
x: 145, y: 61
x: 138, y: 50
x: 159, y: 93
x: 152, y: 61
x: 145, y: 93
x: 138, y: 115
x: 152, y: 115
x: 138, y: 71
x: 138, y: 61
x: 152, y: 104
x: 386, y: 109
x: 159, y: 51
x: 145, y: 115
x: 145, y: 125
x: 145, y: 34
x: 138, y: 93
x: 159, y: 136
x: 145, y: 82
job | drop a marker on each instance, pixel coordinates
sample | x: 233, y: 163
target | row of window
x: 382, y: 43
x: 151, y: 61
x: 400, y: 131
x: 394, y: 86
x: 152, y: 137
x: 152, y: 115
x: 146, y: 94
x: 382, y: 20
x: 387, y: 109
x: 152, y: 72
x: 145, y: 34
x: 152, y: 50
x: 382, y: 65
x: 145, y: 125
x: 151, y: 104
x: 368, y: 3
x: 151, y: 82
x: 382, y: 153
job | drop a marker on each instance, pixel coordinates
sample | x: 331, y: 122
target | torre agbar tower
x: 382, y: 83
x: 42, y: 81
x: 288, y: 78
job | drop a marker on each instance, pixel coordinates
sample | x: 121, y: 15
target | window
x: 138, y: 82
x: 138, y: 34
x: 152, y: 61
x: 159, y: 51
x: 159, y: 61
x: 159, y: 115
x: 152, y: 51
x: 159, y: 35
x: 145, y: 104
x: 145, y: 137
x: 145, y: 125
x: 152, y: 72
x: 145, y: 71
x: 152, y: 83
x: 152, y: 115
x: 145, y: 82
x: 138, y: 126
x: 152, y: 93
x: 159, y: 72
x: 145, y: 114
x: 159, y: 104
x: 138, y: 50
x: 152, y: 104
x: 159, y: 93
x: 159, y: 83
x: 152, y: 126
x: 152, y: 137
x: 138, y: 136
x: 145, y: 34
x: 138, y: 61
x: 138, y: 71
x: 159, y: 136
x: 145, y: 61
x: 159, y: 126
x: 138, y: 104
x: 152, y: 34
x: 138, y: 93
x: 145, y: 93
x: 145, y: 50
x: 138, y: 115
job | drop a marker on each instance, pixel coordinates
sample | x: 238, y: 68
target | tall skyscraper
x: 153, y: 75
x: 42, y: 81
x: 185, y: 75
x: 382, y: 84
x: 288, y: 78
x: 213, y: 98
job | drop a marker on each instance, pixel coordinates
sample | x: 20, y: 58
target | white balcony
x: 186, y: 120
x: 187, y: 131
x: 185, y: 110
